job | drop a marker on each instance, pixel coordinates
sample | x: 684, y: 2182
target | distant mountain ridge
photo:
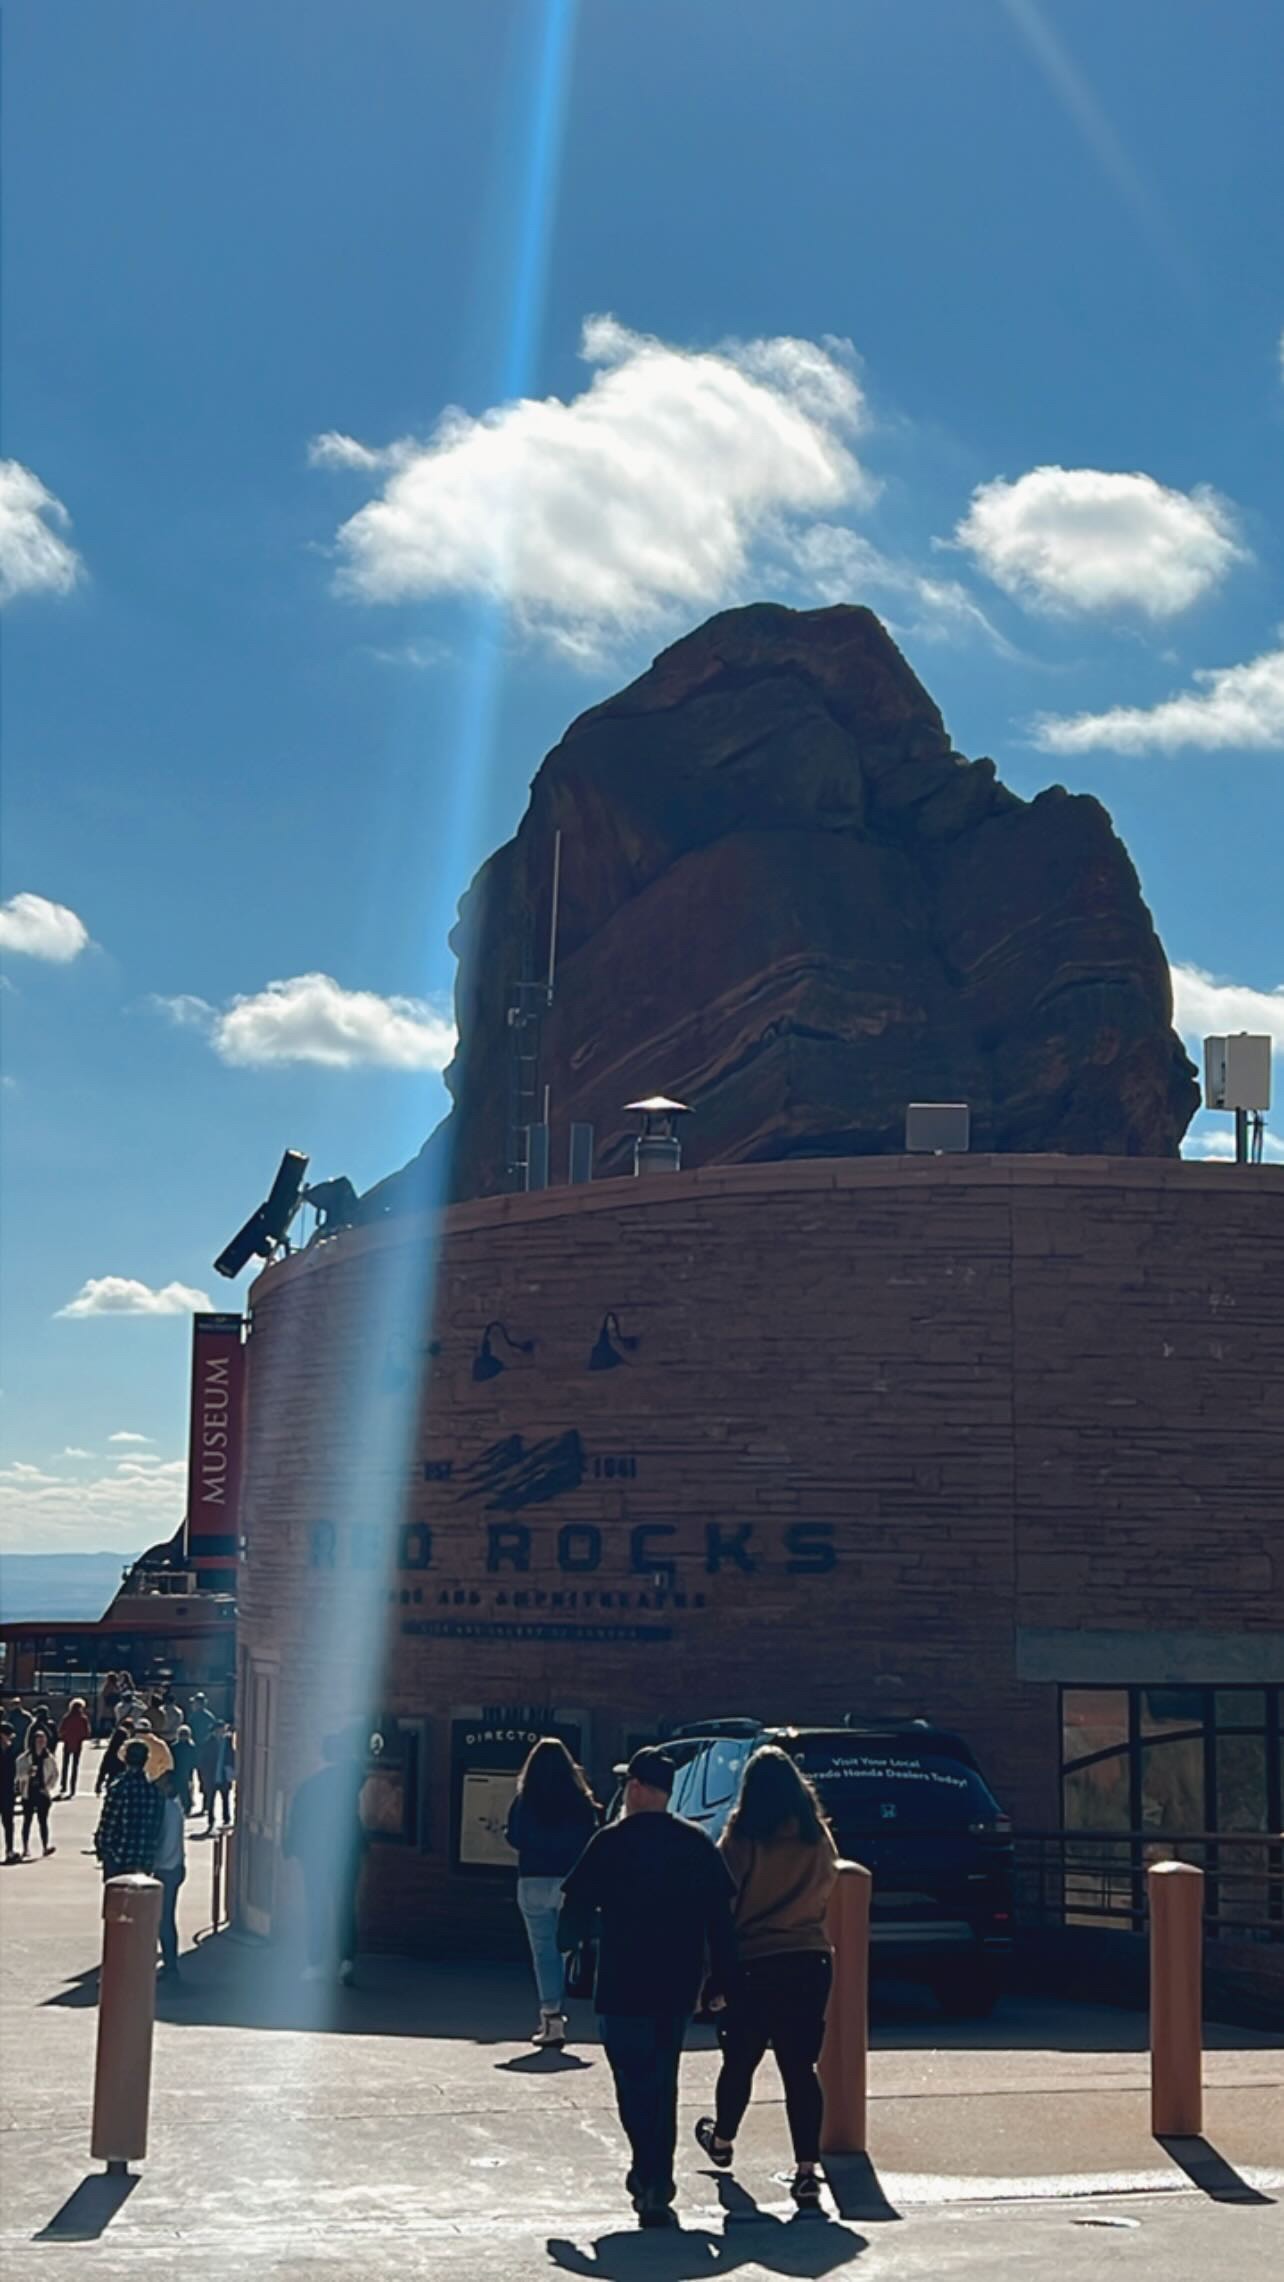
x: 68, y: 1588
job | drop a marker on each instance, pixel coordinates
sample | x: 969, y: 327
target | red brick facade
x: 891, y: 1430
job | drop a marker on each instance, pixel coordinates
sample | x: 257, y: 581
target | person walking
x: 73, y: 1734
x: 112, y: 1762
x: 37, y: 1775
x: 169, y: 1864
x: 184, y: 1749
x: 160, y: 1759
x: 216, y: 1765
x: 552, y: 1818
x: 19, y: 1720
x: 660, y: 1897
x: 129, y: 1826
x: 780, y: 1853
x: 200, y: 1718
x: 168, y: 1715
x: 325, y: 1835
x: 8, y: 1788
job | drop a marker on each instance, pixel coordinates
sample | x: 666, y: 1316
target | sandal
x: 718, y: 2151
x: 805, y: 2189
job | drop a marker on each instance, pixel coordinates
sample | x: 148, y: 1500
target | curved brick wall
x: 887, y: 1421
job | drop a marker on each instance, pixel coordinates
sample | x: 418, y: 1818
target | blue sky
x: 972, y: 312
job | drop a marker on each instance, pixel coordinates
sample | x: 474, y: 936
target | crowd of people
x: 639, y: 1908
x: 157, y: 1753
x: 656, y: 1919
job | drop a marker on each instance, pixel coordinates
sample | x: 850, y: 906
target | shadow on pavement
x: 1211, y: 2172
x: 550, y: 2063
x: 89, y: 2211
x: 857, y: 2189
x: 805, y: 2245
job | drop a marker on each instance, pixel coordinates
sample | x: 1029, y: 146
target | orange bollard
x: 1176, y: 1893
x: 126, y: 2015
x: 845, y: 2052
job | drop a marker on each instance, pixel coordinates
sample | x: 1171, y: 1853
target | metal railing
x: 1098, y: 1878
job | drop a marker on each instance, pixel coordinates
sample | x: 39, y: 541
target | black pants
x: 6, y: 1823
x: 780, y: 2002
x: 644, y: 2050
x: 332, y: 1911
x: 70, y: 1768
x: 213, y: 1792
x: 35, y: 1808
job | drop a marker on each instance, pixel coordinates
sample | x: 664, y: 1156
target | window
x: 1175, y: 1763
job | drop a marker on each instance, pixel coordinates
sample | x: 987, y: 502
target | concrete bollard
x: 845, y: 2053
x: 126, y: 2016
x: 1176, y: 1894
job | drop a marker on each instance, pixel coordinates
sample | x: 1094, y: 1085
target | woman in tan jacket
x: 778, y: 1848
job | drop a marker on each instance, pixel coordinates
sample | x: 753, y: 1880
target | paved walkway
x: 404, y: 2126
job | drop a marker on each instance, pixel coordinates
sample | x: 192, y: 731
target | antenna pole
x: 552, y: 924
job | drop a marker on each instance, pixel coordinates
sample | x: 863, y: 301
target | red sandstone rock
x: 786, y: 900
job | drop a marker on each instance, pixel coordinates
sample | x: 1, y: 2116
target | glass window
x: 722, y: 1771
x: 1092, y: 1719
x: 1240, y: 1707
x: 1241, y: 1783
x: 1165, y: 1711
x: 1172, y: 1783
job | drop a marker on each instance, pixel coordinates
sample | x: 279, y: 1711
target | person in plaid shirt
x: 129, y: 1827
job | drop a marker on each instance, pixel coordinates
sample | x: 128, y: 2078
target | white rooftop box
x: 937, y: 1128
x: 1237, y: 1072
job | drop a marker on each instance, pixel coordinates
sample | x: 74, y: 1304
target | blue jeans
x: 644, y: 2050
x: 170, y: 1881
x: 540, y: 1902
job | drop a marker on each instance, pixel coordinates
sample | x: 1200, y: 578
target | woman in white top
x: 37, y: 1779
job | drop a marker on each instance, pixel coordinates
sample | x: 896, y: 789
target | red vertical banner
x: 215, y: 1450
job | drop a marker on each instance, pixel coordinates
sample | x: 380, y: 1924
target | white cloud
x: 71, y: 1451
x: 1207, y: 1008
x: 312, y: 1018
x: 642, y: 496
x: 124, y: 1435
x: 34, y: 556
x: 124, y: 1295
x: 1066, y: 539
x: 334, y: 450
x: 53, y: 1512
x: 39, y: 929
x: 1218, y: 1145
x: 838, y: 564
x: 1235, y: 707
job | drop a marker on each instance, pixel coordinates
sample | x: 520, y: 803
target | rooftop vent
x: 658, y: 1148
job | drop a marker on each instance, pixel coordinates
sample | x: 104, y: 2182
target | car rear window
x: 867, y: 1787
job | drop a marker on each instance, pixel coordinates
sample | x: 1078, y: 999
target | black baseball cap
x: 654, y: 1768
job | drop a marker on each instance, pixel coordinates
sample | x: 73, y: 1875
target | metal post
x: 1176, y: 1891
x: 126, y: 2016
x: 845, y: 2052
x: 216, y: 1880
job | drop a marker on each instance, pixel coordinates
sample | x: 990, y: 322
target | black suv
x: 908, y: 1801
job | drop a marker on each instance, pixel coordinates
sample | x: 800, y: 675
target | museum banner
x: 216, y: 1443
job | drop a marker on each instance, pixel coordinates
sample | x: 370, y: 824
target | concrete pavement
x: 311, y: 2131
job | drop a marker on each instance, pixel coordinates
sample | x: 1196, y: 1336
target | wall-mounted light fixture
x: 486, y: 1363
x: 605, y: 1354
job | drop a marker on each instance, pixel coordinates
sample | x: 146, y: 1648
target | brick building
x: 1000, y: 1440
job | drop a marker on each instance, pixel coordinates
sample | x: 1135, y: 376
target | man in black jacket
x: 660, y: 1897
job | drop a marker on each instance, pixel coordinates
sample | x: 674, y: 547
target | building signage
x: 487, y: 1750
x: 215, y: 1450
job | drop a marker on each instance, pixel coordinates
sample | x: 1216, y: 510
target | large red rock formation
x: 787, y: 901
